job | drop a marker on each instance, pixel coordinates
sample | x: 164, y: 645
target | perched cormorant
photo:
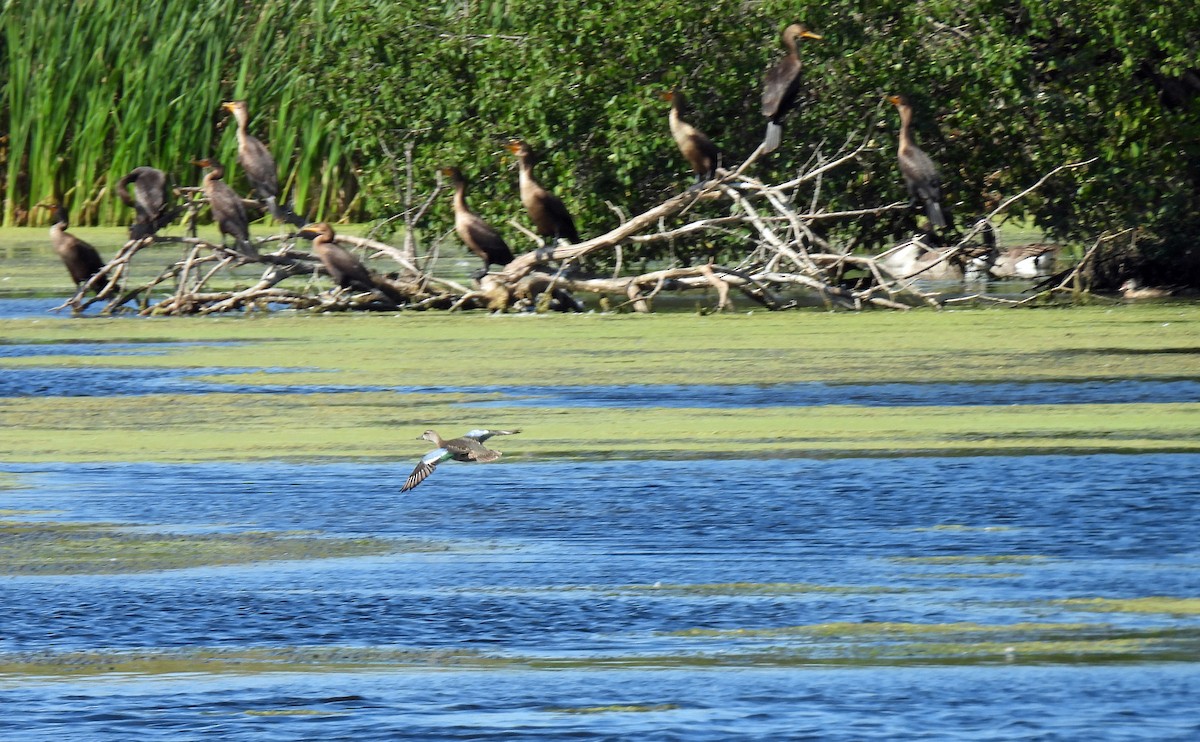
x: 150, y: 200
x: 81, y: 259
x: 920, y: 174
x: 781, y: 84
x: 697, y: 148
x: 346, y: 270
x: 259, y: 165
x: 227, y: 209
x: 481, y: 237
x: 467, y: 448
x: 546, y: 210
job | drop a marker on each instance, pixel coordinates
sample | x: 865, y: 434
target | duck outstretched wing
x: 482, y: 435
x: 425, y: 467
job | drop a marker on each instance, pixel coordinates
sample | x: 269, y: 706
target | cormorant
x: 546, y: 210
x: 150, y: 200
x: 920, y: 174
x: 697, y: 148
x: 481, y: 237
x: 82, y: 260
x: 781, y: 84
x: 227, y: 209
x: 259, y: 165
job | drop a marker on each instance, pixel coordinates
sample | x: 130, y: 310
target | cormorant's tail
x: 139, y: 230
x: 285, y: 213
x: 386, y: 289
x: 933, y: 210
x: 773, y: 138
x: 248, y: 250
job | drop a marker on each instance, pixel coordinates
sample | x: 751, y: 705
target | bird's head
x: 428, y: 435
x: 897, y: 100
x: 236, y: 107
x: 797, y: 32
x: 57, y: 212
x: 454, y: 174
x: 218, y: 170
x: 315, y: 230
x: 518, y: 148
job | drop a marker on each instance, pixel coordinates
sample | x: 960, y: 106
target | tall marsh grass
x: 95, y: 88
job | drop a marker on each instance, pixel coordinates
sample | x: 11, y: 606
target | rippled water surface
x: 98, y: 381
x: 593, y: 577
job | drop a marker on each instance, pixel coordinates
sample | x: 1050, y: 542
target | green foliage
x: 1003, y: 93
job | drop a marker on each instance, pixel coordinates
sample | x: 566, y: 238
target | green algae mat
x: 507, y: 352
x: 29, y: 547
x: 824, y: 645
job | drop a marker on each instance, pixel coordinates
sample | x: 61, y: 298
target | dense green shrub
x: 1004, y: 93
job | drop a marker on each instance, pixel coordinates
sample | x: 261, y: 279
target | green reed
x: 94, y: 89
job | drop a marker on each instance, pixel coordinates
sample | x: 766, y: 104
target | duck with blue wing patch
x: 467, y: 448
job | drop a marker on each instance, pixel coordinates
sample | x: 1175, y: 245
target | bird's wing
x: 564, y: 224
x: 780, y: 85
x: 495, y: 249
x: 482, y: 434
x: 425, y: 467
x: 350, y: 266
x: 151, y: 190
x: 259, y: 166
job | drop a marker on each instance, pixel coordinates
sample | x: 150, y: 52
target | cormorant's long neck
x: 525, y: 166
x: 243, y: 122
x: 789, y: 43
x: 674, y: 119
x: 906, y: 136
x: 321, y: 243
x: 460, y: 196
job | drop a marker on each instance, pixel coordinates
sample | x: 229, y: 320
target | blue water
x: 1153, y: 703
x: 558, y: 560
x: 96, y: 381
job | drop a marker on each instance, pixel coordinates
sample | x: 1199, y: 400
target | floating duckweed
x: 888, y: 630
x: 295, y: 712
x: 1085, y: 645
x: 704, y: 589
x: 621, y: 708
x: 1155, y: 604
x: 962, y: 576
x: 757, y: 588
x: 9, y: 481
x: 973, y: 559
x: 36, y: 547
x: 240, y: 660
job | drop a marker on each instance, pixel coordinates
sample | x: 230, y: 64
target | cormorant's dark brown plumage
x: 82, y: 260
x: 697, y: 148
x: 346, y: 270
x: 781, y: 85
x: 259, y: 165
x: 150, y: 200
x: 920, y: 174
x: 481, y: 237
x: 227, y: 209
x: 546, y: 210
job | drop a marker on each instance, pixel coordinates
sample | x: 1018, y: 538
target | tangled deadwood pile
x: 785, y: 261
